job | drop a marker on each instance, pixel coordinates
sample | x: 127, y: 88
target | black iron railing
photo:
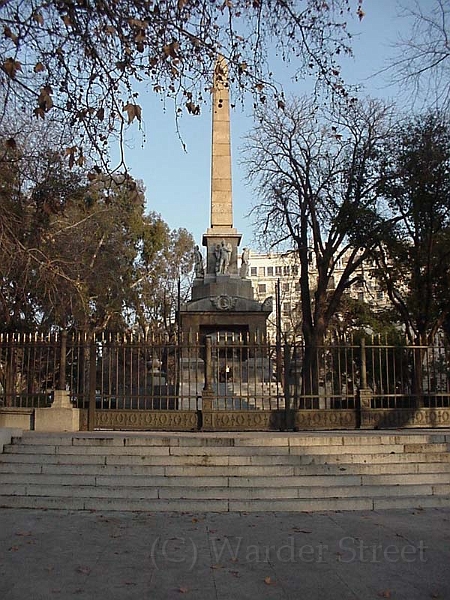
x: 132, y: 372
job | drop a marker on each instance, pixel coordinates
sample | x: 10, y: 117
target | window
x: 262, y: 271
x: 253, y: 271
x: 286, y: 270
x: 277, y: 270
x: 285, y: 287
x: 269, y: 271
x: 297, y: 286
x: 380, y: 295
x: 294, y: 270
x: 262, y: 288
x: 361, y: 296
x: 287, y: 308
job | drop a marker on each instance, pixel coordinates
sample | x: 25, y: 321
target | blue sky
x: 177, y: 182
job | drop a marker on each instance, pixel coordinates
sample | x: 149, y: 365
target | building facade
x: 267, y: 269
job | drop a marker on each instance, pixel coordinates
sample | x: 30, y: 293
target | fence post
x: 364, y: 393
x: 363, y: 365
x: 62, y: 361
x: 289, y: 420
x: 61, y: 398
x: 207, y: 392
x: 92, y: 383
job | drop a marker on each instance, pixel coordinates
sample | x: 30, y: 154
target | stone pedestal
x: 22, y: 418
x: 61, y: 416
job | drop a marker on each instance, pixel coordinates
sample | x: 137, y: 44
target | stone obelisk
x: 222, y: 299
x: 221, y: 229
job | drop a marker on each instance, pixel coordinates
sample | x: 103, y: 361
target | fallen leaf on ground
x: 268, y: 581
x: 384, y: 594
x: 84, y: 570
x: 183, y: 590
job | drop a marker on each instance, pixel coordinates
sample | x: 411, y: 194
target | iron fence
x: 244, y: 374
x: 130, y: 372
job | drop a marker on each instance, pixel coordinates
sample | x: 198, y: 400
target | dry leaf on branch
x: 133, y: 111
x: 11, y: 67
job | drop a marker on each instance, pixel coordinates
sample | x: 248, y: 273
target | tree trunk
x: 311, y: 369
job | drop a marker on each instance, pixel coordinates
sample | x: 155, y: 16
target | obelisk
x: 222, y: 298
x: 221, y: 229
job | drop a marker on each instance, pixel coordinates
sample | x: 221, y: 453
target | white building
x: 265, y: 270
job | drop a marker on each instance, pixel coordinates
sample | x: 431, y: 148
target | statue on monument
x: 245, y: 259
x: 217, y: 255
x: 198, y: 263
x: 225, y: 250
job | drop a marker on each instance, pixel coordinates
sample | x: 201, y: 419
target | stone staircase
x: 226, y: 472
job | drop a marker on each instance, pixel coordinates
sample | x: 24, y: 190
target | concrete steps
x: 226, y: 472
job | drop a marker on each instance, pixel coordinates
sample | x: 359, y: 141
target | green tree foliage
x: 359, y: 319
x: 414, y: 255
x: 77, y: 249
x: 160, y: 283
x: 84, y: 59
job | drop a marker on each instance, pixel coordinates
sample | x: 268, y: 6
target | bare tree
x: 317, y: 180
x: 84, y: 59
x: 421, y: 64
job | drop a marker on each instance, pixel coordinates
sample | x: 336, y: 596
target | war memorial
x: 219, y: 372
x: 218, y: 418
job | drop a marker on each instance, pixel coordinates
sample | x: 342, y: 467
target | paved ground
x: 397, y: 554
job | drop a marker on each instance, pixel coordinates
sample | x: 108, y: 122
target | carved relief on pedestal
x: 224, y: 302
